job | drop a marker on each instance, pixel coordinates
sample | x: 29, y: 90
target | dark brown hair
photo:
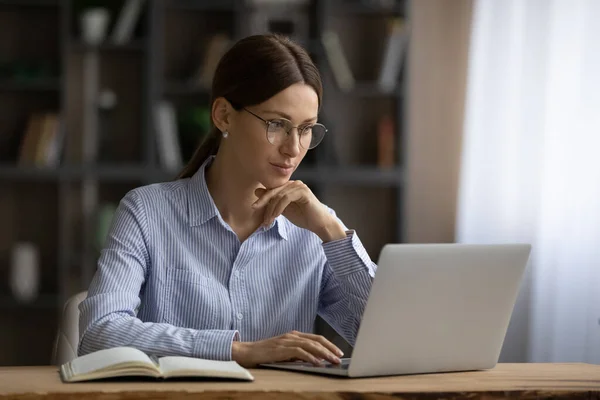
x: 255, y: 69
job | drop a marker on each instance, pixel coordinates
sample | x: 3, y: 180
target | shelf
x: 41, y: 85
x: 175, y: 88
x: 135, y: 45
x: 369, y: 176
x: 17, y: 172
x: 371, y: 89
x: 44, y: 301
x: 361, y: 89
x: 357, y: 8
x: 113, y: 172
x: 30, y: 3
x: 202, y: 5
x: 362, y: 176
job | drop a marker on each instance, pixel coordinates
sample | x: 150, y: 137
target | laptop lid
x: 438, y: 308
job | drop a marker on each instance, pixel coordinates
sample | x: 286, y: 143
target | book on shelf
x: 167, y: 136
x: 217, y: 46
x: 393, y: 55
x: 337, y: 60
x: 120, y: 362
x: 43, y: 140
x: 386, y: 142
x: 127, y: 21
x: 285, y: 3
x: 289, y: 18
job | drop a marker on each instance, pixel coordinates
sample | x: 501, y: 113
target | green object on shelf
x: 22, y: 71
x: 194, y: 124
x: 27, y: 71
x: 196, y: 118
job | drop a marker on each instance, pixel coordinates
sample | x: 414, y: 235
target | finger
x: 292, y: 353
x: 279, y: 203
x: 299, y: 353
x: 280, y: 206
x: 264, y: 195
x: 322, y: 340
x: 267, y: 195
x: 269, y: 210
x: 314, y: 348
x: 270, y: 207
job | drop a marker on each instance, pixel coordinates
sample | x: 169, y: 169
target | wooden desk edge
x: 272, y: 395
x: 523, y: 381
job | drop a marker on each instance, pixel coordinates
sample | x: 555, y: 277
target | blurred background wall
x: 438, y: 71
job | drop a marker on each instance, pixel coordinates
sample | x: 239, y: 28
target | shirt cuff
x: 347, y: 256
x: 215, y: 344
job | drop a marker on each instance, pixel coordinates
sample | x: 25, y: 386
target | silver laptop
x: 433, y: 308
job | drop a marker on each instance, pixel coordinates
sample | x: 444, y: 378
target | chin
x: 271, y: 182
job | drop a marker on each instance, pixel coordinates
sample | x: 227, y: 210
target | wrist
x: 238, y: 349
x: 332, y: 231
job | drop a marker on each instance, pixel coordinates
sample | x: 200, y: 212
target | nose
x: 291, y: 146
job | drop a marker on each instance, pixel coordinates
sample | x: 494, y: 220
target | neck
x: 233, y: 194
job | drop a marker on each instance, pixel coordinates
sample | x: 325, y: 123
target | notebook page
x: 105, y: 358
x: 211, y: 367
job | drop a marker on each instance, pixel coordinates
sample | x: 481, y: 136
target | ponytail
x: 207, y: 148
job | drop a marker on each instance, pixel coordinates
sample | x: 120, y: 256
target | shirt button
x: 240, y: 316
x: 237, y: 274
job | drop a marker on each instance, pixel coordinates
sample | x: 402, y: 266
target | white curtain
x: 530, y: 168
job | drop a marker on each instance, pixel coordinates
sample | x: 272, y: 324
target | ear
x: 222, y: 114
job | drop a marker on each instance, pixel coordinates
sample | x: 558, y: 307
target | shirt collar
x: 282, y: 227
x: 202, y: 208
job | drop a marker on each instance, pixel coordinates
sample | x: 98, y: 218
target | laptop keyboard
x: 343, y: 365
x: 337, y: 366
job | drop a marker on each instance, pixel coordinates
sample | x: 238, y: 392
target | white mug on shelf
x: 94, y: 24
x: 25, y: 271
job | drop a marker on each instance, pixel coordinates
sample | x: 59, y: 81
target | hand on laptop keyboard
x: 294, y: 345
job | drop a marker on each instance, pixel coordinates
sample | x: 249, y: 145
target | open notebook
x: 130, y: 362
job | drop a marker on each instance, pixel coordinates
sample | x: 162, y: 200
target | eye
x: 277, y: 124
x: 306, y: 130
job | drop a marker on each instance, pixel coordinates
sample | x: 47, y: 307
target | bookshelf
x: 56, y: 207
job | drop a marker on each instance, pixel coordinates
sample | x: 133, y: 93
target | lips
x: 285, y: 166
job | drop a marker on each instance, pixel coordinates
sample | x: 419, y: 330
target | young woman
x: 233, y: 260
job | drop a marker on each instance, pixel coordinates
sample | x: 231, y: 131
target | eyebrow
x: 286, y: 116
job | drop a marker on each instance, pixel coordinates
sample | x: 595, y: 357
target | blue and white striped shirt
x: 174, y: 279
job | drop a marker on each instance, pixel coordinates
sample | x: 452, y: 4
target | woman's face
x: 264, y: 162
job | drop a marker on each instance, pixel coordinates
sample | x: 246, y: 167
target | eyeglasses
x: 278, y: 130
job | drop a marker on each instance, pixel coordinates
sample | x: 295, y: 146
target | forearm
x: 345, y: 314
x: 118, y: 329
x: 348, y: 281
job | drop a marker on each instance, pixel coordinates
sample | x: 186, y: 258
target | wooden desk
x: 523, y: 381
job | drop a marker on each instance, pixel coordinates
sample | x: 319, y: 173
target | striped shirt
x: 174, y: 279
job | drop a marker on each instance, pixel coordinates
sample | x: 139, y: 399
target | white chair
x: 67, y: 337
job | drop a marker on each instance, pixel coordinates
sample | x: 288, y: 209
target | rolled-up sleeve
x: 108, y: 316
